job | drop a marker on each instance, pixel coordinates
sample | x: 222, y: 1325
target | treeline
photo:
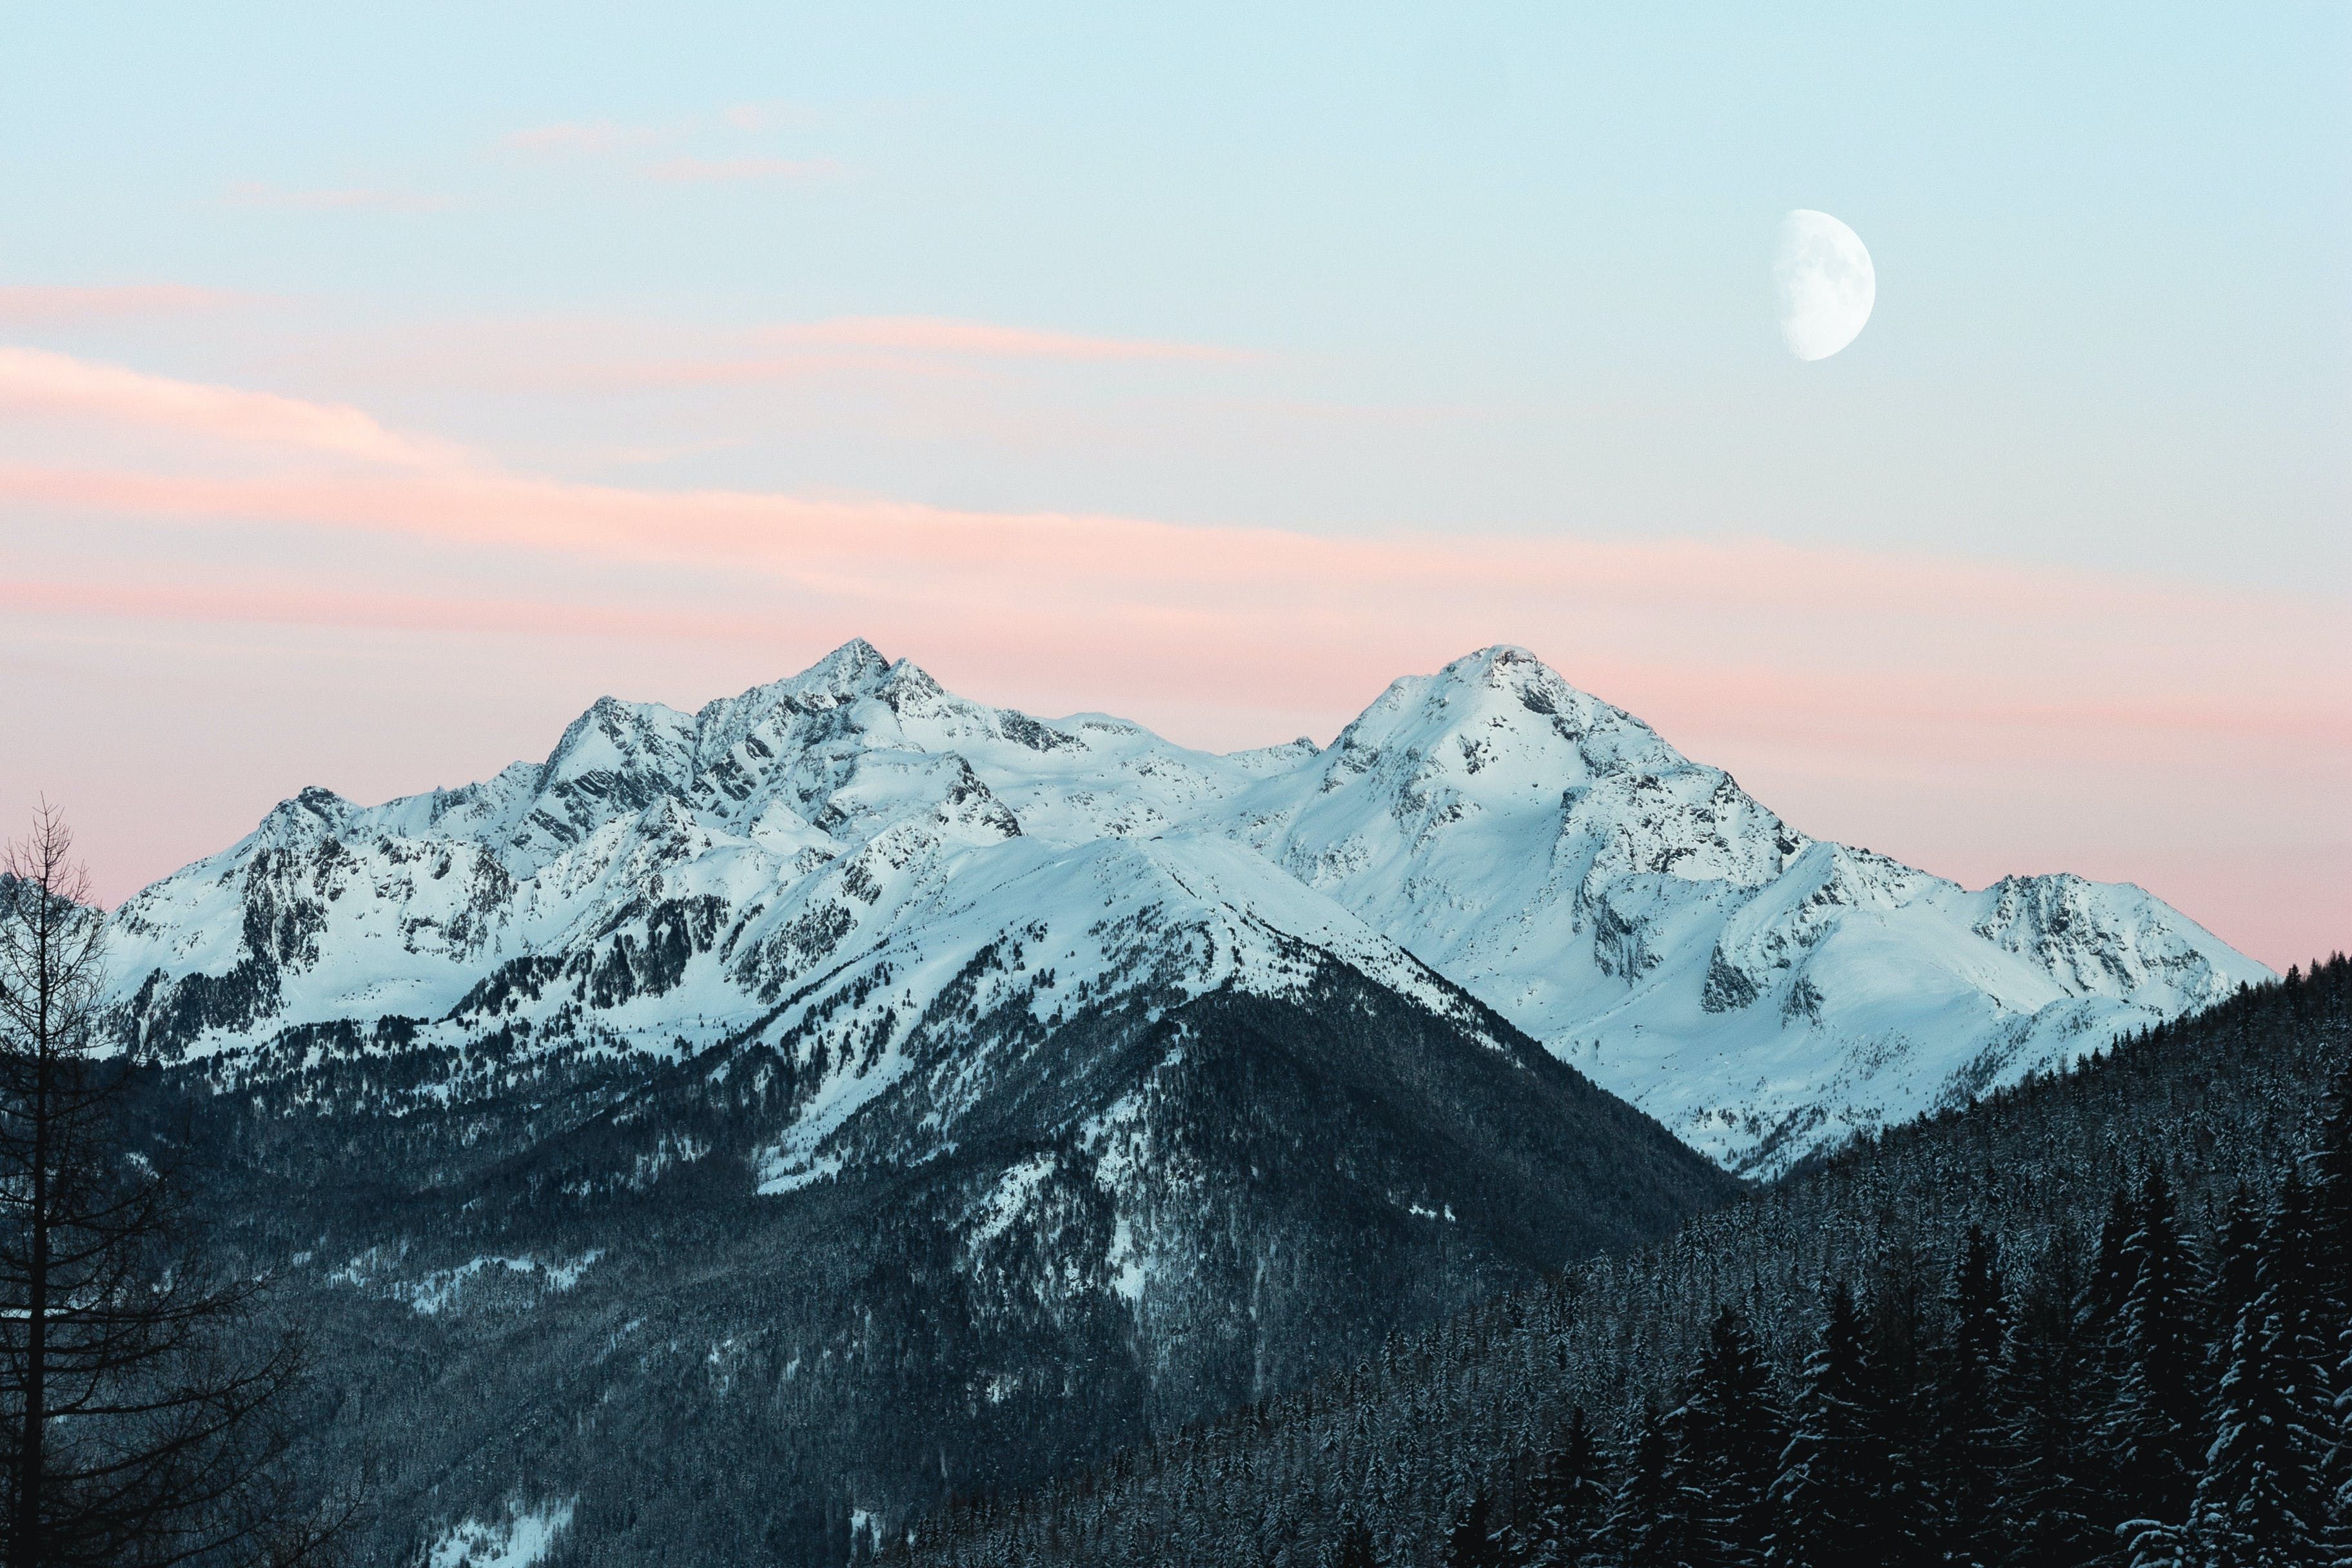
x: 2103, y: 1318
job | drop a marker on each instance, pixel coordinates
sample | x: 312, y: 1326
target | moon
x: 1825, y: 284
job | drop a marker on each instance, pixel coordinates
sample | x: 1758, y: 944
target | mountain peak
x: 1476, y: 699
x: 856, y: 668
x: 1505, y: 666
x: 853, y: 659
x: 306, y: 816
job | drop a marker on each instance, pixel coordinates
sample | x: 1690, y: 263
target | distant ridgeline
x: 2101, y: 1317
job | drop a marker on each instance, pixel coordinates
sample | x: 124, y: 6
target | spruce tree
x: 2154, y: 1427
x: 2261, y: 1502
x: 1351, y: 1543
x: 2046, y: 1398
x: 2110, y: 1277
x: 2237, y: 1268
x: 1565, y: 1502
x: 1827, y: 1499
x: 1643, y: 1528
x: 1473, y: 1543
x: 2331, y: 1201
x: 1967, y: 1457
x: 1727, y: 1436
x: 1899, y: 1349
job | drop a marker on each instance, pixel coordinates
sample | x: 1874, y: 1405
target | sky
x: 381, y: 384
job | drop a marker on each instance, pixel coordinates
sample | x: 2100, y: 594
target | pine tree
x: 1643, y: 1528
x: 2154, y: 1420
x: 1828, y: 1496
x: 2332, y: 1249
x: 143, y: 1414
x: 1968, y: 1460
x: 1727, y: 1437
x: 1351, y: 1543
x: 1899, y: 1348
x: 2046, y: 1396
x: 1473, y: 1543
x: 1565, y: 1502
x: 2260, y: 1502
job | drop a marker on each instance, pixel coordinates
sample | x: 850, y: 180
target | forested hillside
x: 2099, y: 1318
x: 564, y: 1295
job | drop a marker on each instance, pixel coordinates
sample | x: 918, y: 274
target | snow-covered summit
x: 662, y: 877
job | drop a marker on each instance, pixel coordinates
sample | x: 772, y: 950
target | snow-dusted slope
x: 1758, y: 990
x: 831, y: 855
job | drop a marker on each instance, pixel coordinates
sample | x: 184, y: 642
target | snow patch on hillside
x: 519, y: 1541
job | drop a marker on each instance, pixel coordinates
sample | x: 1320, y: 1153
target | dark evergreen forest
x: 563, y: 1284
x: 2103, y: 1318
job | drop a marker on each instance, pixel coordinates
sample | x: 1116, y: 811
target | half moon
x: 1826, y: 283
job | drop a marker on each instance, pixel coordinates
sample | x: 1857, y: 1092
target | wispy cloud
x: 36, y: 382
x: 253, y: 194
x: 2039, y: 659
x: 730, y: 170
x: 898, y: 347
x: 987, y: 339
x: 40, y: 303
x: 596, y: 355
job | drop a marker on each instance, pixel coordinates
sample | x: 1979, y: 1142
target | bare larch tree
x: 142, y: 1403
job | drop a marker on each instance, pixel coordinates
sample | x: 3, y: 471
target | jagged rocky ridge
x: 854, y: 861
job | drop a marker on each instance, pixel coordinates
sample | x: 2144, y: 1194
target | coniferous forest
x: 2103, y: 1318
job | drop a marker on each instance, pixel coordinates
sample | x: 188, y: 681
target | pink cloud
x: 569, y: 355
x: 45, y: 303
x: 35, y: 380
x: 299, y: 604
x: 730, y: 170
x: 252, y: 193
x: 1762, y: 624
x: 752, y: 370
x: 944, y: 336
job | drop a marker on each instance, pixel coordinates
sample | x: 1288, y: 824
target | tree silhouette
x: 142, y: 1416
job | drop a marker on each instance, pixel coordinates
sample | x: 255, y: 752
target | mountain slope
x: 2235, y: 1101
x: 654, y: 1303
x: 851, y: 837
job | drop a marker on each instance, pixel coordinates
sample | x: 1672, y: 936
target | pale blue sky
x: 1505, y: 266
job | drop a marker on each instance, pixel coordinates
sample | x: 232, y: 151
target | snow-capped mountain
x: 860, y: 862
x: 1760, y: 992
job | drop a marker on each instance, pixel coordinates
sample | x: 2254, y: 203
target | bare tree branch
x: 141, y: 1424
